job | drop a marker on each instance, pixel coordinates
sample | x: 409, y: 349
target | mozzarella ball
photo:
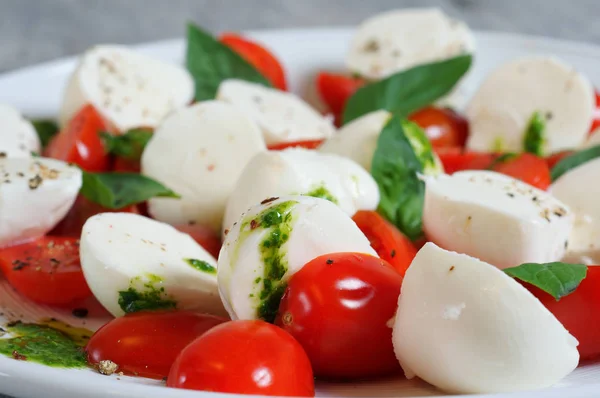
x: 18, y: 137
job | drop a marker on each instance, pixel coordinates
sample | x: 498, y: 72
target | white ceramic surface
x: 37, y: 91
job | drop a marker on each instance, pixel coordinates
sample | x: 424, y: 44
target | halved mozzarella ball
x: 35, y: 194
x: 467, y: 327
x: 495, y: 218
x: 18, y: 137
x: 129, y: 89
x: 357, y: 140
x: 271, y: 242
x: 579, y: 189
x: 500, y: 111
x: 401, y: 39
x: 199, y: 152
x: 302, y: 172
x: 133, y: 263
x: 282, y: 116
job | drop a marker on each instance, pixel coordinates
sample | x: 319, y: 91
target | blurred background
x: 32, y: 31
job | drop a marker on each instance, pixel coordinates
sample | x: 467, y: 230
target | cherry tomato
x: 337, y: 306
x: 579, y: 312
x: 456, y: 159
x: 596, y: 121
x: 258, y: 56
x: 528, y: 168
x: 553, y: 159
x: 80, y: 143
x: 81, y: 210
x: 308, y: 144
x: 335, y: 89
x: 389, y: 243
x: 123, y: 165
x: 204, y: 236
x: 444, y: 127
x: 147, y: 343
x: 46, y: 270
x: 244, y: 357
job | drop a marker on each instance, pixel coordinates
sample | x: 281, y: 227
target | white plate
x: 37, y: 91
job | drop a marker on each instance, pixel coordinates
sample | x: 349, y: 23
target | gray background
x: 37, y: 30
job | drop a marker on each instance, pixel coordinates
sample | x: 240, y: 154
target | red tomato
x: 147, y: 343
x: 335, y: 89
x: 308, y: 144
x: 579, y: 312
x: 204, y: 236
x: 80, y: 143
x: 456, y: 159
x: 259, y: 57
x: 596, y: 121
x: 528, y: 168
x: 389, y: 243
x: 123, y: 165
x: 46, y: 270
x: 337, y: 306
x: 81, y: 210
x: 244, y: 357
x: 553, y: 159
x: 444, y: 127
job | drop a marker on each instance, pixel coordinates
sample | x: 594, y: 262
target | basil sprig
x: 408, y: 91
x: 557, y: 279
x: 118, y: 190
x: 534, y: 138
x: 129, y: 145
x: 574, y: 160
x: 211, y: 62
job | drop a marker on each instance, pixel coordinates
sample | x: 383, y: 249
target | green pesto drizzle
x: 42, y: 344
x: 201, y: 265
x: 278, y: 221
x: 323, y: 193
x: 534, y: 139
x: 149, y: 297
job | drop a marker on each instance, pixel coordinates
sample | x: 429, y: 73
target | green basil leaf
x: 408, y: 91
x: 534, y: 139
x: 46, y: 129
x: 557, y: 279
x: 574, y: 160
x: 395, y: 167
x: 210, y: 62
x: 118, y: 190
x: 129, y: 145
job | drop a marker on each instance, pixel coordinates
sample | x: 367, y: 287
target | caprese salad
x: 246, y: 243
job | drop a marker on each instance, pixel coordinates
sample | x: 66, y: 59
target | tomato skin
x: 259, y: 57
x: 204, y: 236
x: 337, y: 306
x: 80, y: 142
x: 553, y: 159
x: 444, y: 127
x: 244, y: 357
x: 596, y: 120
x: 389, y: 243
x: 335, y: 90
x: 579, y: 312
x: 123, y: 165
x: 307, y: 144
x: 456, y: 159
x: 52, y: 274
x: 147, y: 343
x: 528, y: 168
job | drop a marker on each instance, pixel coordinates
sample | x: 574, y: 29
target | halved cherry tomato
x: 389, y: 243
x: 596, y: 121
x: 337, y: 306
x: 46, y: 270
x: 258, y: 56
x: 204, y: 236
x: 456, y: 159
x: 81, y: 210
x: 308, y: 144
x: 553, y: 159
x: 528, y: 168
x: 579, y: 312
x: 244, y: 357
x: 80, y: 143
x: 335, y: 90
x: 147, y: 343
x: 444, y: 127
x: 123, y: 165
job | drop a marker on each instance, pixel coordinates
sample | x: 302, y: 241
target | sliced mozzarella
x: 357, y: 140
x: 584, y: 202
x: 313, y: 226
x: 401, y: 39
x: 282, y: 116
x: 125, y: 254
x: 467, y: 327
x: 18, y: 137
x: 35, y: 194
x: 302, y: 172
x: 495, y: 218
x: 199, y: 152
x: 500, y: 111
x: 129, y: 89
